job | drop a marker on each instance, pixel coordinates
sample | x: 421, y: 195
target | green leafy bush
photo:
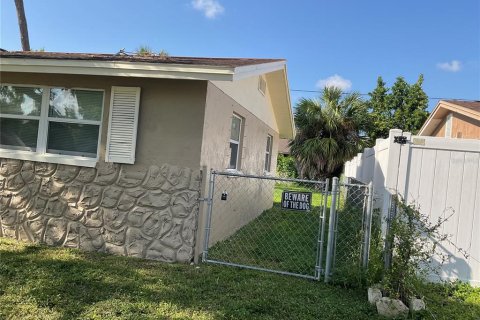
x: 286, y: 167
x: 413, y: 242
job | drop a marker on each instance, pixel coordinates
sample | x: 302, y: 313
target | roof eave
x: 137, y: 69
x: 278, y: 83
x: 442, y: 104
x: 427, y: 122
x: 118, y: 68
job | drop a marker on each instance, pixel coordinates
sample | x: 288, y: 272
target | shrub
x: 286, y: 167
x: 413, y: 242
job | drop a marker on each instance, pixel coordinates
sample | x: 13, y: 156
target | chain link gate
x: 281, y: 225
x: 266, y: 223
x: 349, y: 235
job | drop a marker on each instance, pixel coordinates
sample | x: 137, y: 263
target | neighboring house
x: 283, y: 147
x: 453, y: 119
x: 112, y: 152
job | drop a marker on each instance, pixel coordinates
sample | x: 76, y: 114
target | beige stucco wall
x: 215, y: 151
x: 170, y: 116
x: 247, y: 197
x: 245, y: 92
x: 183, y: 125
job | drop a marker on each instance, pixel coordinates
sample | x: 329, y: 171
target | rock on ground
x: 374, y: 294
x: 391, y: 308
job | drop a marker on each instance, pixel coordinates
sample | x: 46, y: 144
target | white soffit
x: 277, y: 82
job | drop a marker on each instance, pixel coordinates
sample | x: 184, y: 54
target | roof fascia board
x: 115, y: 68
x: 281, y: 102
x: 118, y: 72
x: 462, y: 110
x: 137, y: 69
x: 257, y: 69
x: 429, y: 119
x: 425, y: 130
x: 287, y: 92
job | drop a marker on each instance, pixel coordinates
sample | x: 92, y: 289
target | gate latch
x: 224, y: 196
x: 400, y: 139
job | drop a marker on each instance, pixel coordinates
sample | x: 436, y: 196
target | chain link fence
x: 266, y: 223
x: 282, y: 225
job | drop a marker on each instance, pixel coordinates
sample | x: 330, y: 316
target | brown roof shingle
x: 216, y: 62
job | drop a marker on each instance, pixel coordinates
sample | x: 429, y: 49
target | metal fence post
x: 368, y: 225
x: 331, y: 228
x: 211, y: 188
x: 321, y: 238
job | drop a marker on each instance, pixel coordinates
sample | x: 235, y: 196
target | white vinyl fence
x: 440, y: 176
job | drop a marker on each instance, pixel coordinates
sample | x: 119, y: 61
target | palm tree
x: 22, y: 23
x: 331, y: 130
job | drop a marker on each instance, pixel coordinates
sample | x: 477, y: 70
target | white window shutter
x: 122, y: 124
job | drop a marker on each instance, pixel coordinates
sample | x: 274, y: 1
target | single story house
x: 111, y: 152
x: 453, y: 119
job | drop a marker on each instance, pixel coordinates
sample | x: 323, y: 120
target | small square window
x: 262, y: 85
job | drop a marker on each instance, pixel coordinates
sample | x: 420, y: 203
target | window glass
x: 267, y: 162
x: 75, y: 104
x: 19, y: 133
x: 236, y: 126
x: 73, y: 139
x: 269, y: 143
x: 268, y: 153
x: 235, y: 135
x: 25, y: 101
x: 70, y: 127
x: 233, y: 156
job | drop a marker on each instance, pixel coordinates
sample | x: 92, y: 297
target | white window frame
x: 238, y: 143
x: 262, y: 85
x: 268, y: 165
x: 23, y: 117
x: 41, y: 154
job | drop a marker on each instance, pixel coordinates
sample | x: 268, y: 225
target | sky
x: 347, y: 43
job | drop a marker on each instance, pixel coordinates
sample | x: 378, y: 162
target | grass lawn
x: 40, y: 282
x: 278, y: 239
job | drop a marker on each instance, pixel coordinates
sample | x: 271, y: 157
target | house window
x: 20, y: 109
x: 74, y: 118
x: 235, y: 136
x: 268, y: 153
x: 42, y: 123
x: 262, y: 85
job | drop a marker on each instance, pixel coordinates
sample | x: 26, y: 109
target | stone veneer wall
x: 148, y: 213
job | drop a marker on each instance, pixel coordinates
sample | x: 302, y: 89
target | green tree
x: 380, y: 113
x: 404, y: 107
x: 330, y: 131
